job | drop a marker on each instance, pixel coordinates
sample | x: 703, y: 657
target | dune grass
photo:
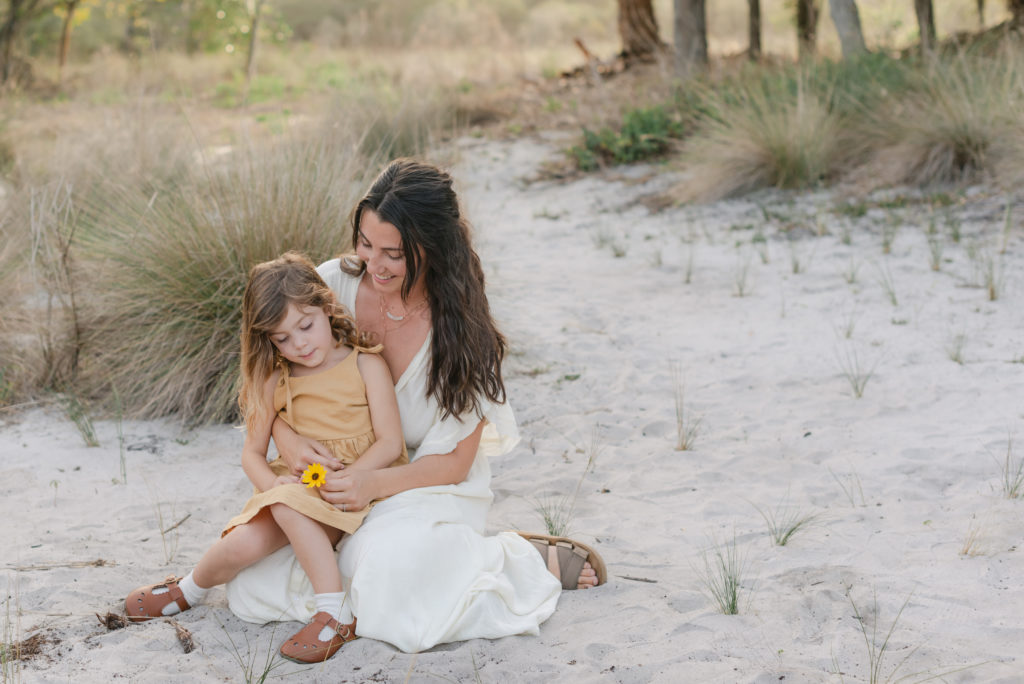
x: 558, y: 512
x: 784, y: 522
x: 723, y: 575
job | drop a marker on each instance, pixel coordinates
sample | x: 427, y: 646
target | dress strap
x: 287, y: 390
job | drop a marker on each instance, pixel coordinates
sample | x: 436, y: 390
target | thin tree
x: 754, y: 30
x: 925, y: 23
x: 807, y: 12
x: 254, y: 26
x: 69, y: 7
x: 847, y: 20
x: 19, y: 13
x: 691, y: 36
x: 638, y: 30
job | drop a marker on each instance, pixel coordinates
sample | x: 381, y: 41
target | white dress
x: 419, y: 570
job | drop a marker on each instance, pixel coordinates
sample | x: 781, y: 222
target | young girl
x: 302, y: 360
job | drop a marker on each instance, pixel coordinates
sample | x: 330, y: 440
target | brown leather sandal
x: 142, y: 604
x: 565, y: 558
x: 305, y: 645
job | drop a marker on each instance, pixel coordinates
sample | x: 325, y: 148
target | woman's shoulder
x: 342, y: 283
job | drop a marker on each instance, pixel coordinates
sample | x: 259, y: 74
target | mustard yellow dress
x: 330, y: 407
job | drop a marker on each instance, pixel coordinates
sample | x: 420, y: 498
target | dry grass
x: 953, y: 122
x: 763, y: 135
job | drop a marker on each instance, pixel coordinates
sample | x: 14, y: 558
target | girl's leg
x: 238, y: 549
x: 228, y: 556
x: 314, y: 547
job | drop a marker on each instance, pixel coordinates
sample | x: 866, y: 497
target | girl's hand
x: 285, y: 479
x: 300, y: 452
x: 354, y: 489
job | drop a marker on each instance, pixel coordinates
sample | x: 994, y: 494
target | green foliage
x: 645, y: 133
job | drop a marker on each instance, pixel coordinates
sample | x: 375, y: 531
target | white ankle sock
x: 333, y: 604
x: 193, y: 593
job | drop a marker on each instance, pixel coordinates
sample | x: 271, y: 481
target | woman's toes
x: 587, y: 578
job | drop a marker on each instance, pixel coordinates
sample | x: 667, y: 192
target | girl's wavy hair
x: 467, y: 349
x: 272, y: 286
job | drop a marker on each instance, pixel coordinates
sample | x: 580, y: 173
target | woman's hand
x: 300, y: 452
x: 353, y: 489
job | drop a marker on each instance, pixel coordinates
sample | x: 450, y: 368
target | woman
x: 419, y: 570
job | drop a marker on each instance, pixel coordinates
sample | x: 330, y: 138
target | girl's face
x: 304, y: 336
x: 379, y: 245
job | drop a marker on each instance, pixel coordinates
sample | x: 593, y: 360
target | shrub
x: 163, y: 321
x: 644, y: 133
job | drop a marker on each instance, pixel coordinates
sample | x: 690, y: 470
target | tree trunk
x: 806, y: 27
x: 638, y: 29
x: 925, y: 23
x: 981, y: 14
x: 18, y: 11
x: 754, y: 30
x: 1016, y: 7
x: 691, y: 37
x: 250, y: 60
x: 65, y: 37
x: 847, y: 20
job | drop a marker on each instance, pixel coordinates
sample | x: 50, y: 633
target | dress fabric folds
x: 419, y: 571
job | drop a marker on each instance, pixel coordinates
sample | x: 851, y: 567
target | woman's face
x: 379, y: 245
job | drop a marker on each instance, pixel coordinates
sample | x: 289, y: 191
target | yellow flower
x: 314, y: 476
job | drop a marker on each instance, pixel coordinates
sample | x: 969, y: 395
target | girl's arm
x: 357, y: 488
x: 387, y: 425
x: 298, y: 451
x: 254, y: 450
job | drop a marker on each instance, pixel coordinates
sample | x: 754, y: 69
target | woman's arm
x: 254, y: 450
x: 387, y: 425
x: 357, y: 488
x: 298, y: 451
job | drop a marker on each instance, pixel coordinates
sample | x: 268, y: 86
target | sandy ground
x: 606, y: 305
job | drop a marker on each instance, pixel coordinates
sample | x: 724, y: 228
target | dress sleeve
x: 499, y: 436
x: 342, y: 284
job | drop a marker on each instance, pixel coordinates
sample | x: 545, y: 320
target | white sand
x: 593, y: 339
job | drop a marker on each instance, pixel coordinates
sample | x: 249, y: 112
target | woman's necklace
x: 399, y: 320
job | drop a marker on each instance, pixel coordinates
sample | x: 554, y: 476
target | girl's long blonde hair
x: 272, y: 286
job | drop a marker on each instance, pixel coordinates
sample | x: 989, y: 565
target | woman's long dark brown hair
x: 467, y: 348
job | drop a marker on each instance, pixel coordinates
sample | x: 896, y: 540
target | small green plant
x: 1013, y: 473
x: 955, y: 347
x: 557, y: 513
x: 761, y: 243
x: 851, y: 487
x: 687, y: 425
x: 255, y: 670
x: 119, y: 419
x: 856, y: 374
x: 850, y: 274
x: 10, y: 642
x: 78, y: 415
x: 741, y: 274
x: 995, y: 275
x: 644, y: 133
x: 973, y: 538
x: 849, y: 323
x: 889, y: 230
x: 722, y: 575
x: 885, y: 280
x: 877, y: 645
x: 55, y: 484
x: 1007, y: 224
x: 953, y: 227
x: 688, y: 274
x: 783, y: 522
x: 935, y: 247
